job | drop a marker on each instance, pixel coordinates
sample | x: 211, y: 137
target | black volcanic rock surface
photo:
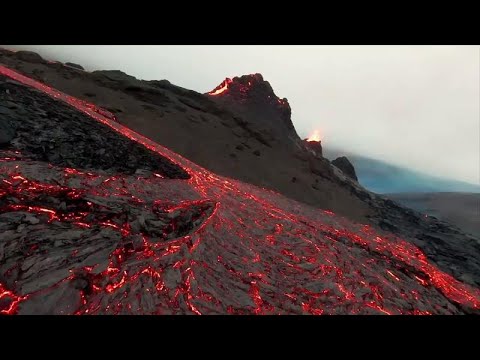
x: 63, y: 137
x: 7, y: 130
x: 105, y: 241
x: 224, y: 132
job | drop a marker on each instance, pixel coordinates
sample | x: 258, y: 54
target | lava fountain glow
x: 315, y: 136
x: 254, y: 252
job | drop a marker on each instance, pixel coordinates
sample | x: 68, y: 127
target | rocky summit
x: 253, y: 98
x: 111, y: 222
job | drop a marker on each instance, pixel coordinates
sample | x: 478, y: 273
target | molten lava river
x: 99, y: 243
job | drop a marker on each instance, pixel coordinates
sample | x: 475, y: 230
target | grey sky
x: 416, y: 106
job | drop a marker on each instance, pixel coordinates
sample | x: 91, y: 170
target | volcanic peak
x: 251, y: 86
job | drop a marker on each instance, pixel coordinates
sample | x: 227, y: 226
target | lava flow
x: 221, y: 88
x: 96, y: 243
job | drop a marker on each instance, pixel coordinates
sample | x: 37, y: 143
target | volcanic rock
x: 252, y: 97
x: 108, y: 240
x: 209, y: 141
x: 68, y: 140
x: 7, y: 130
x: 228, y: 118
x: 29, y: 56
x: 73, y: 65
x: 346, y: 166
x: 315, y: 146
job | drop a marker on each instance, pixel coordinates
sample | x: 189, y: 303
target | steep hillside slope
x: 233, y: 141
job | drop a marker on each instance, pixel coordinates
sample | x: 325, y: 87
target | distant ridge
x: 383, y: 178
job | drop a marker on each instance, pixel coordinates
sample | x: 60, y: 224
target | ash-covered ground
x: 95, y: 219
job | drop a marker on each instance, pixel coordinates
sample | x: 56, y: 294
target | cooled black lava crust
x: 49, y: 130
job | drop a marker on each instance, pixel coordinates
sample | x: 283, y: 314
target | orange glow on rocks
x: 221, y: 88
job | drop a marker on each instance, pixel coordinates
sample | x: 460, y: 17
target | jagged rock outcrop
x: 346, y: 166
x: 254, y: 99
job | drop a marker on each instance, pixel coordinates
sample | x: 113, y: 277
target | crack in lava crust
x: 96, y: 244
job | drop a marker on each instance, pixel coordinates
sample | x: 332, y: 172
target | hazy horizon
x: 412, y: 106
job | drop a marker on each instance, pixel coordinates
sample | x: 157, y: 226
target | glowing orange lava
x: 315, y: 136
x: 221, y: 88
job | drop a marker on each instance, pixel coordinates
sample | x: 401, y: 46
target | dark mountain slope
x: 203, y: 128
